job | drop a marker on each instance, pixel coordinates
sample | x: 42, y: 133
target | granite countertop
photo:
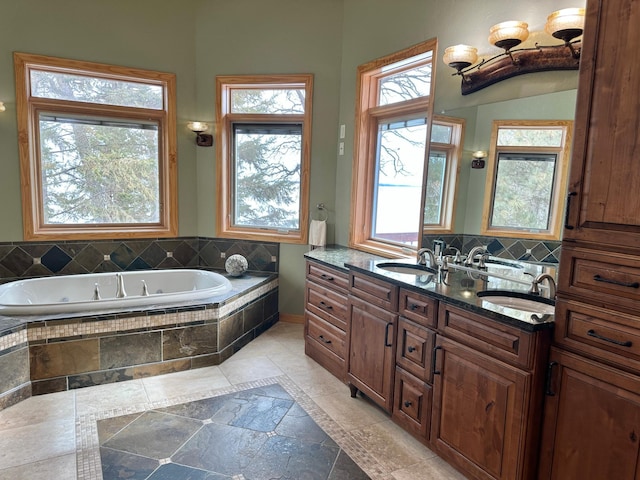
x: 457, y: 286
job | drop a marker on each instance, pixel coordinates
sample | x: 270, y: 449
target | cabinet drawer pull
x: 592, y: 333
x: 325, y: 305
x: 411, y: 349
x: 598, y: 278
x: 407, y: 404
x: 324, y: 340
x: 434, y: 359
x: 413, y: 307
x: 568, y: 210
x: 326, y: 277
x: 387, y: 343
x: 547, y: 387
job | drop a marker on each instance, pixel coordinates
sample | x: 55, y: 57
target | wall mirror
x: 479, y: 120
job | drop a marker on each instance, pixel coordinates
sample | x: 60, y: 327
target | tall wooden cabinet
x: 592, y: 408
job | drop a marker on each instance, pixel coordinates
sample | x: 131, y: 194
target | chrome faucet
x: 423, y: 261
x: 145, y: 290
x: 534, y: 290
x: 96, y: 292
x: 475, y: 251
x: 120, y: 291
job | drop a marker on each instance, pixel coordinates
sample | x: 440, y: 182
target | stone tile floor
x: 59, y: 435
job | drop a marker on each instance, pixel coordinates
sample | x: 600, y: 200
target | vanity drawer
x: 607, y: 335
x: 414, y: 349
x: 609, y: 278
x: 419, y: 308
x: 327, y: 276
x: 501, y: 341
x: 378, y: 292
x: 326, y: 335
x: 327, y: 304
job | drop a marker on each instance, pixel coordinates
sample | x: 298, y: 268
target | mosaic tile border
x: 12, y: 340
x: 88, y: 446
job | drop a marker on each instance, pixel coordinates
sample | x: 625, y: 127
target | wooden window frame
x: 28, y: 108
x: 559, y: 183
x: 224, y: 141
x: 368, y: 114
x: 453, y: 152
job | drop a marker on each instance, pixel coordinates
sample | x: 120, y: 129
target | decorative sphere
x: 236, y: 265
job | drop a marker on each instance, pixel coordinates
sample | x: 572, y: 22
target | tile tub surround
x: 20, y: 260
x: 57, y: 353
x: 539, y: 251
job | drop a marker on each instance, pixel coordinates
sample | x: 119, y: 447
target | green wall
x: 199, y: 39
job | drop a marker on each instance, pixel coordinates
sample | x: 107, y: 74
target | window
x: 528, y: 167
x: 264, y: 144
x: 445, y: 151
x: 97, y: 149
x: 392, y: 129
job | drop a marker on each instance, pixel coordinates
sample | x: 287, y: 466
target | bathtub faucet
x: 120, y: 291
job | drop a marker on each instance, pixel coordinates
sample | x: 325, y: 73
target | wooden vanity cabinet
x: 592, y: 421
x: 414, y: 353
x: 325, y: 326
x: 487, y: 395
x: 592, y: 410
x: 372, y: 327
x: 604, y: 204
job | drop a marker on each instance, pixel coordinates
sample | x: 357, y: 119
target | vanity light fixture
x: 202, y: 139
x: 2, y: 107
x: 566, y: 24
x: 478, y: 159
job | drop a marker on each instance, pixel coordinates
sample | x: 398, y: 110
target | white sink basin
x: 519, y: 301
x: 408, y: 268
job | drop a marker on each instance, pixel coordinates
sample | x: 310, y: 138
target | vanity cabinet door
x: 479, y: 412
x: 412, y: 409
x: 371, y: 360
x: 592, y: 422
x: 604, y: 205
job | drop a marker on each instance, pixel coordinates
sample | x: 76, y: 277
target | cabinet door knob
x: 411, y: 349
x: 407, y: 403
x: 413, y: 307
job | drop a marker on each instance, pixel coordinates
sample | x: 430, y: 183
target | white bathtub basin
x: 75, y: 293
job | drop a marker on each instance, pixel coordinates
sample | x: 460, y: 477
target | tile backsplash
x: 35, y: 259
x: 539, y: 251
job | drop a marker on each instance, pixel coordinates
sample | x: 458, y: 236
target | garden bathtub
x: 95, y: 292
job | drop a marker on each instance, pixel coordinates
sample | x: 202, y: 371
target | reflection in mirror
x: 467, y: 226
x: 440, y: 188
x: 527, y: 174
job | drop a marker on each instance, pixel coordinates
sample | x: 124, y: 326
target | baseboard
x: 291, y: 318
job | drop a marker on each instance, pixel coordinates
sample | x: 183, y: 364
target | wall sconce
x: 2, y: 107
x: 566, y: 25
x: 478, y: 159
x: 202, y: 139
